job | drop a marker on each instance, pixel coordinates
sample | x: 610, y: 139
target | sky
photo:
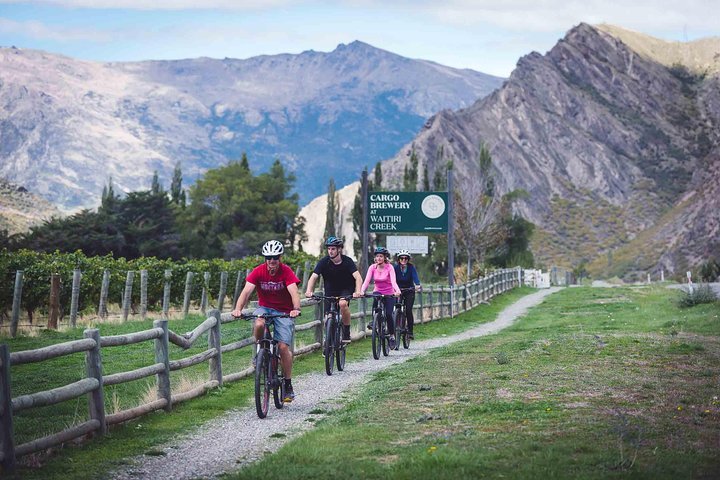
x: 487, y: 36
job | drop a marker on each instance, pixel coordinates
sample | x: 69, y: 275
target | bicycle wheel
x: 376, y: 337
x: 329, y: 349
x: 397, y: 320
x: 262, y: 384
x: 385, y: 337
x: 340, y: 352
x: 406, y: 332
x: 278, y: 382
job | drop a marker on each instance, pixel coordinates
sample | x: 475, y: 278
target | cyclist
x: 277, y: 291
x: 341, y: 279
x: 383, y: 274
x: 407, y: 277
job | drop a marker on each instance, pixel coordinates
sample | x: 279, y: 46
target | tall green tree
x: 410, y: 174
x: 177, y: 194
x: 332, y: 219
x: 232, y: 213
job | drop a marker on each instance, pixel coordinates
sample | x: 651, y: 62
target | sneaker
x: 289, y: 394
x: 370, y: 326
x: 346, y: 335
x: 391, y: 342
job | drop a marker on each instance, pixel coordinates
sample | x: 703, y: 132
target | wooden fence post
x: 162, y: 356
x: 432, y: 305
x: 188, y: 291
x: 104, y: 288
x: 238, y: 284
x: 319, y: 329
x: 6, y: 414
x: 127, y: 295
x: 215, y: 341
x: 421, y: 314
x: 93, y: 365
x: 306, y: 275
x: 17, y: 297
x: 223, y: 289
x: 75, y: 297
x: 54, y: 301
x: 143, y: 293
x: 204, y: 294
x: 166, y: 294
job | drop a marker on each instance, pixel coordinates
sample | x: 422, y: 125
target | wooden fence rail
x: 433, y: 304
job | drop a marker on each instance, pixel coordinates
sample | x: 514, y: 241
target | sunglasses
x: 404, y: 258
x: 272, y: 257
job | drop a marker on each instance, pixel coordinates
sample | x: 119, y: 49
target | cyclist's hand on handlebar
x: 237, y: 313
x: 295, y: 313
x: 418, y: 288
x: 357, y: 294
x: 308, y: 294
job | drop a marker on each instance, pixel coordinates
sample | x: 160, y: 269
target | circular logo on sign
x: 433, y: 206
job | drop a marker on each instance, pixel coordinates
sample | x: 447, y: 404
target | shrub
x: 697, y: 295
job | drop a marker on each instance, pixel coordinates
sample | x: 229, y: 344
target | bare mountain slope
x: 608, y: 142
x: 68, y: 125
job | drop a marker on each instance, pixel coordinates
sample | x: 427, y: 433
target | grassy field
x: 96, y: 456
x: 594, y: 383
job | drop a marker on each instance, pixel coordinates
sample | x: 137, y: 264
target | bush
x: 697, y: 295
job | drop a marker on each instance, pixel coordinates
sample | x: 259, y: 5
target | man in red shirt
x: 277, y: 290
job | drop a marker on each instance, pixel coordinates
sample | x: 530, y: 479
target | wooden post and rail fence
x: 432, y: 304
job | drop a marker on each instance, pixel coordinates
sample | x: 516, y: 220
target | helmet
x: 382, y: 250
x: 403, y: 253
x: 273, y: 247
x: 333, y: 242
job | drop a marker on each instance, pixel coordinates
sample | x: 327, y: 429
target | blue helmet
x: 333, y: 242
x: 382, y: 250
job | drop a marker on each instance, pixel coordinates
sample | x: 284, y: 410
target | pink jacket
x: 384, y: 279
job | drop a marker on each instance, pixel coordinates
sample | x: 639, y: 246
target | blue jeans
x: 283, y: 327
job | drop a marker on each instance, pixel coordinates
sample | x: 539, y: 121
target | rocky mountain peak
x: 606, y: 140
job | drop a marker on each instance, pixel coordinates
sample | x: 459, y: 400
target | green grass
x: 143, y: 435
x: 596, y: 385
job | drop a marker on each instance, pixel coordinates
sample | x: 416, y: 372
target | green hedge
x: 37, y: 268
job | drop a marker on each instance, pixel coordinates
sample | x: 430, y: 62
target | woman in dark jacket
x: 407, y: 277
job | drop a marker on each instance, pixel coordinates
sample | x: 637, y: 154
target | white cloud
x: 41, y: 31
x: 160, y: 4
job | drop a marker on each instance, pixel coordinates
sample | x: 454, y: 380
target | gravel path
x: 238, y: 438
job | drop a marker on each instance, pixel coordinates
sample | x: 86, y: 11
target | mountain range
x: 68, y: 126
x: 614, y: 135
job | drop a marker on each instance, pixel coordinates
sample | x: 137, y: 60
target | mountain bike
x: 269, y: 376
x: 333, y: 348
x: 400, y: 319
x: 380, y: 338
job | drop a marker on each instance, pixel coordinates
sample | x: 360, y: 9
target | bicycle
x: 380, y: 338
x: 333, y: 348
x: 400, y: 319
x: 268, y: 369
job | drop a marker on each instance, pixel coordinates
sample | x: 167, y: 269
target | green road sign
x: 407, y: 212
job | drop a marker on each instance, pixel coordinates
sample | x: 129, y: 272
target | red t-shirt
x: 272, y: 289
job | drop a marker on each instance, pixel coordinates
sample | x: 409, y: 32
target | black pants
x: 409, y: 302
x: 388, y: 304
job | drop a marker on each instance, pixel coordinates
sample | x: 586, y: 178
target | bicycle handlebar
x: 250, y: 316
x: 333, y: 297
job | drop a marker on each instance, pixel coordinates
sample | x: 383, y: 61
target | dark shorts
x: 326, y: 303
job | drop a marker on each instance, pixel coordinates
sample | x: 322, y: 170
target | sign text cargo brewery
x: 407, y: 212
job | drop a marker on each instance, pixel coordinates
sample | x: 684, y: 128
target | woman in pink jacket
x: 383, y: 274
